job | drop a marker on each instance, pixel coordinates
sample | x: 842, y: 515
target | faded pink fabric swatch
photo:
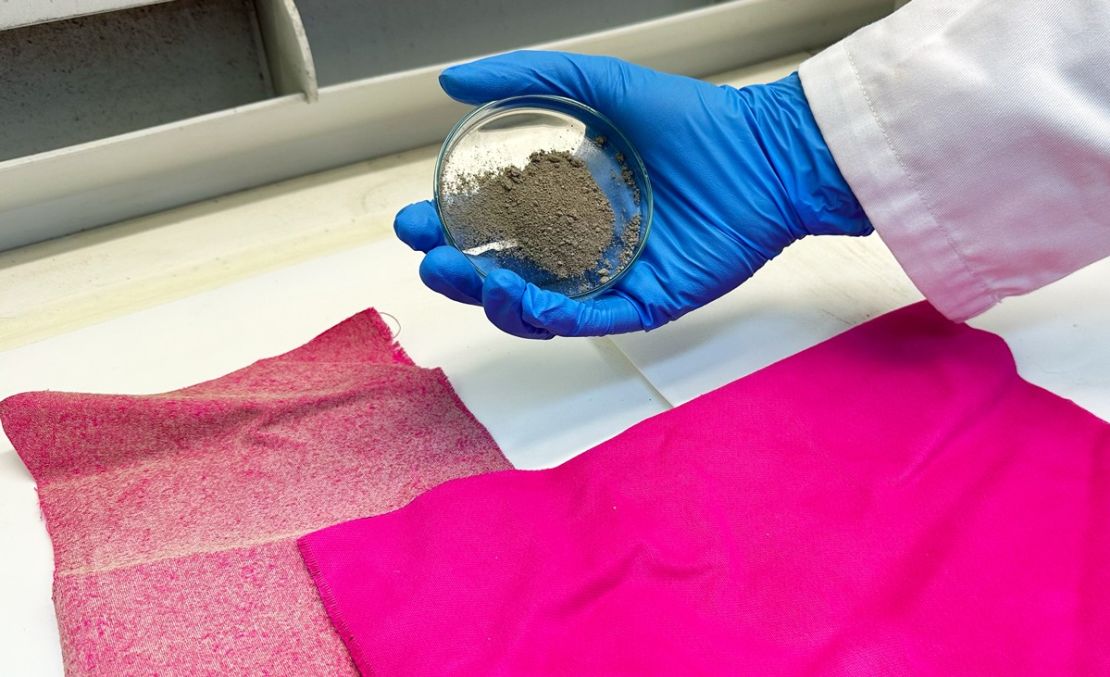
x: 893, y: 501
x: 173, y: 516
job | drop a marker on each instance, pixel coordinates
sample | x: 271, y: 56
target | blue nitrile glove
x: 738, y: 174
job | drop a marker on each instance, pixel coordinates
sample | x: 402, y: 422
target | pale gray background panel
x: 193, y: 158
x: 354, y: 39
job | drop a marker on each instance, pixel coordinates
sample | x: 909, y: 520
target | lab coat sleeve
x: 976, y: 135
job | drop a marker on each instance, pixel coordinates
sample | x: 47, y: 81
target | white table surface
x: 542, y: 401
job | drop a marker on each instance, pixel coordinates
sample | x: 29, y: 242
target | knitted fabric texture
x: 174, y: 516
x: 894, y: 501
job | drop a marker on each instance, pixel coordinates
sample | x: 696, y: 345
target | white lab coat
x: 976, y: 135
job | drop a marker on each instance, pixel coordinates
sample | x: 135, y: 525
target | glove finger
x: 502, y: 294
x: 447, y: 271
x: 610, y: 85
x: 418, y: 226
x: 610, y: 313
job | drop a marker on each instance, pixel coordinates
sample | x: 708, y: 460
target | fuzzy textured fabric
x: 894, y: 501
x: 174, y: 516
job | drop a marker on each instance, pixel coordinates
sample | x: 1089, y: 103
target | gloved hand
x: 737, y: 175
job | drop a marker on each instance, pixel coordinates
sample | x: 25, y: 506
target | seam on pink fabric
x: 331, y: 606
x: 242, y: 545
x: 913, y: 183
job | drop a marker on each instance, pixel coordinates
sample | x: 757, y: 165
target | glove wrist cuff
x: 816, y: 189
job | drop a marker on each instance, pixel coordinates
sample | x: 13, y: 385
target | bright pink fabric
x: 173, y: 516
x: 894, y: 501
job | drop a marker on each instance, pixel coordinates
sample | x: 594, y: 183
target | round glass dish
x: 505, y: 134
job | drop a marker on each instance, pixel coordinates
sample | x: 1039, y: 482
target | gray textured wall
x: 73, y: 81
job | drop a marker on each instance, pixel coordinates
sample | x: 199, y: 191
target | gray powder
x: 551, y: 213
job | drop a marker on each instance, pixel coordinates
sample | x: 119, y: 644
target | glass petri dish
x: 501, y: 139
